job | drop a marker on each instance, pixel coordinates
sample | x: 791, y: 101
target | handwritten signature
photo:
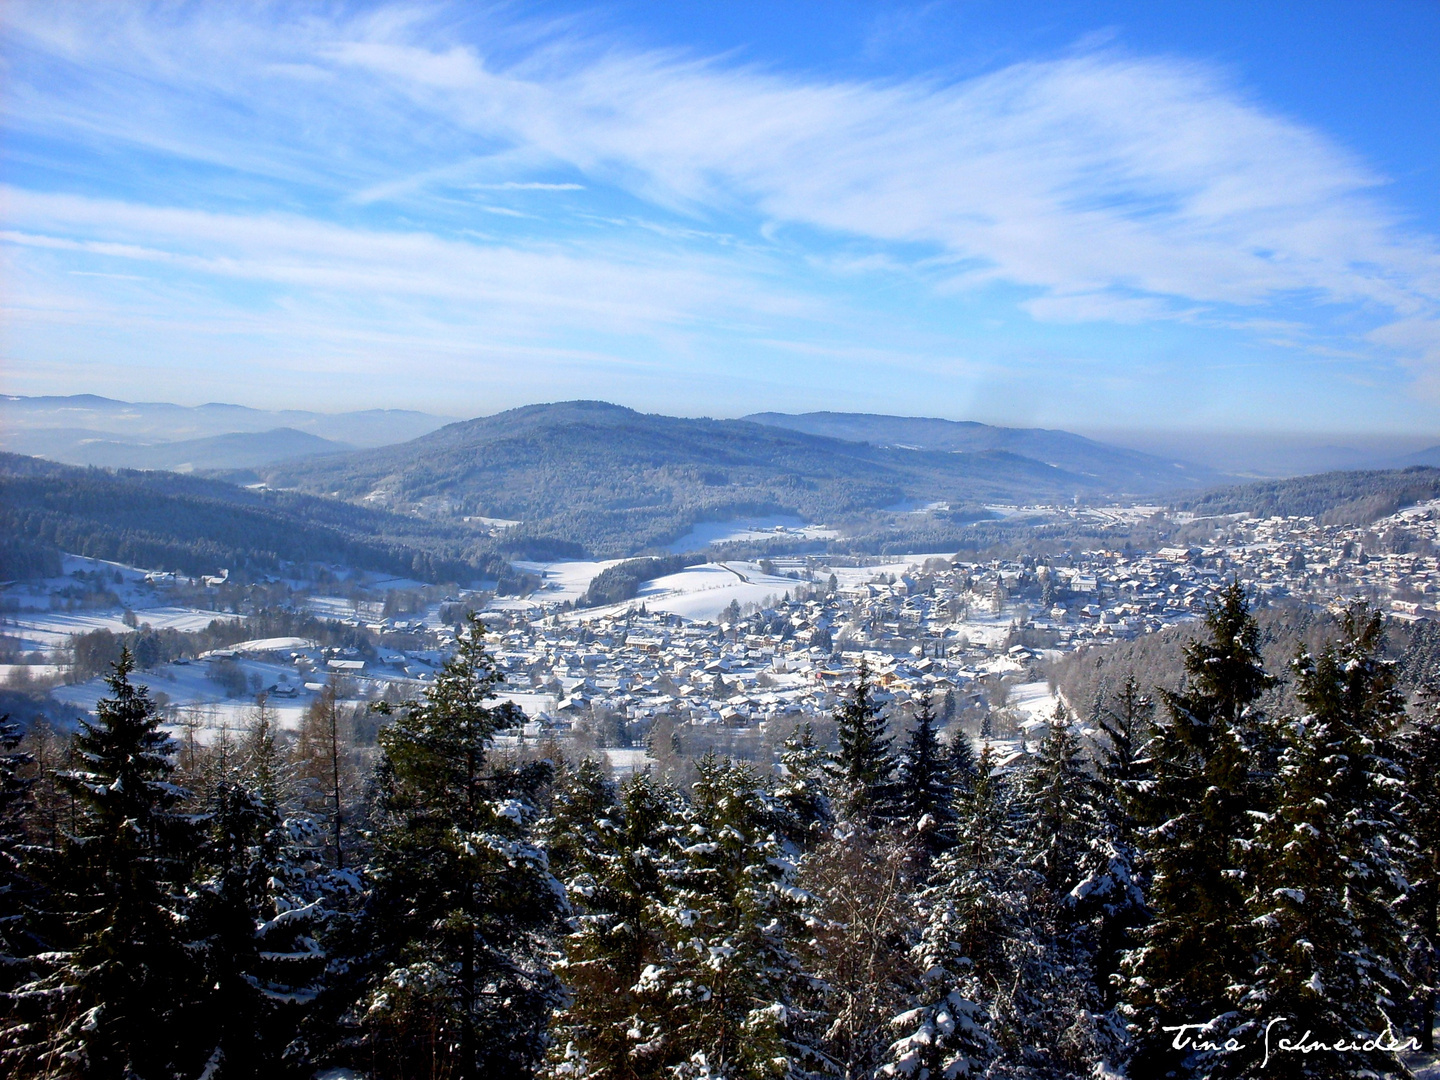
x: 1188, y: 1037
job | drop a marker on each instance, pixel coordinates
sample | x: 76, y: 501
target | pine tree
x: 1421, y: 748
x: 725, y: 1000
x: 1112, y: 894
x: 926, y: 787
x: 1060, y: 813
x: 800, y: 788
x: 863, y: 767
x: 615, y: 852
x: 972, y: 912
x: 1077, y: 881
x: 462, y: 898
x: 19, y: 891
x: 264, y: 901
x: 1127, y: 727
x: 127, y: 999
x: 1209, y: 760
x: 1326, y: 873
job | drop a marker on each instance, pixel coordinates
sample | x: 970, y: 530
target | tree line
x: 1172, y: 895
x: 196, y: 526
x: 621, y: 582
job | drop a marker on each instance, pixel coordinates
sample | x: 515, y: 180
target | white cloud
x: 1109, y: 187
x: 618, y: 289
x: 530, y: 185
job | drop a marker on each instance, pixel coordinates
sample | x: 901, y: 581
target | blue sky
x: 1098, y: 215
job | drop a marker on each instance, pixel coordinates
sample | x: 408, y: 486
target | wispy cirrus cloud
x: 1099, y: 186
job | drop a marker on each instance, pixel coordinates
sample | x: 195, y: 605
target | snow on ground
x: 34, y: 671
x: 1035, y: 702
x: 274, y: 644
x: 330, y: 607
x: 532, y: 705
x: 862, y: 575
x: 212, y: 719
x: 565, y: 580
x: 787, y: 526
x: 624, y: 761
x: 47, y: 629
x: 990, y: 633
x: 185, y: 683
x: 701, y: 593
x: 198, y: 700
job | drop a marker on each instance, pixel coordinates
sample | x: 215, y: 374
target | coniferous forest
x: 1179, y: 886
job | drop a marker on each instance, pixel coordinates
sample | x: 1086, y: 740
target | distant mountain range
x: 237, y: 450
x: 1429, y: 457
x: 84, y: 429
x: 1261, y: 454
x: 619, y: 481
x: 1110, y: 467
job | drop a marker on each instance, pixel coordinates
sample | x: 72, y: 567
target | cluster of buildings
x: 950, y: 631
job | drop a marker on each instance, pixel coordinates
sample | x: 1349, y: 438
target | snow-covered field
x: 47, y: 629
x: 184, y: 683
x: 34, y: 671
x: 1035, y: 703
x: 787, y: 526
x: 565, y: 580
x: 532, y: 705
x: 213, y: 719
x: 701, y: 593
x: 624, y: 761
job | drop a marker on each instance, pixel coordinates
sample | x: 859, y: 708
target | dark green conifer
x: 126, y: 996
x: 1326, y: 869
x: 463, y: 900
x: 863, y: 767
x: 1209, y: 762
x: 1421, y: 748
x: 926, y: 787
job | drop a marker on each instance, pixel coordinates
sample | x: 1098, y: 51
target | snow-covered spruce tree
x: 263, y: 899
x: 615, y: 852
x: 1112, y: 896
x: 1326, y: 864
x: 800, y: 788
x: 19, y: 892
x: 126, y: 1000
x: 862, y: 769
x: 926, y: 787
x: 974, y: 937
x: 725, y: 1000
x: 1125, y: 729
x: 462, y: 899
x: 1064, y: 844
x: 1421, y: 750
x: 1060, y: 813
x: 1209, y: 758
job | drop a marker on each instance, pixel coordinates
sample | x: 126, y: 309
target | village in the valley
x: 735, y: 652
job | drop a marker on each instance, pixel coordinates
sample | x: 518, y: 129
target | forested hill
x: 1335, y: 498
x: 1113, y: 467
x: 618, y: 480
x: 172, y: 522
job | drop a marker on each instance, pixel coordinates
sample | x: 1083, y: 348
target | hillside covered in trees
x: 172, y: 522
x: 1335, y: 498
x: 620, y: 481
